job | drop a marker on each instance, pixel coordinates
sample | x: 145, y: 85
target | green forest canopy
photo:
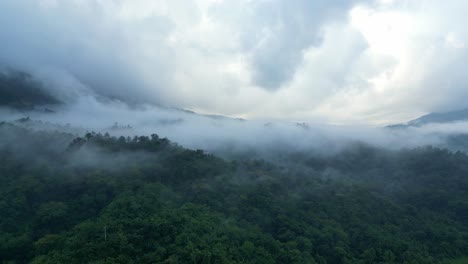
x: 103, y: 199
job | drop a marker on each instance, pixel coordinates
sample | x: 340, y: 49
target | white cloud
x: 346, y: 61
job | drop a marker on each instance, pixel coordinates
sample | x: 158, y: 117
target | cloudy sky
x: 341, y: 61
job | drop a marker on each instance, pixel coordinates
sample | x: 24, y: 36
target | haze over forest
x: 222, y: 131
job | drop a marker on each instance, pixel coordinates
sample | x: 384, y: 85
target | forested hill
x: 21, y: 91
x: 435, y: 118
x: 102, y: 199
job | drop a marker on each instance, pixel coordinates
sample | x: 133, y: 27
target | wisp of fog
x: 84, y: 111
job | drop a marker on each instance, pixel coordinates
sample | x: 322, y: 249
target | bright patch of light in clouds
x: 386, y: 32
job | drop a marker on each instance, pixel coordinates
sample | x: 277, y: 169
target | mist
x: 233, y: 131
x: 81, y: 110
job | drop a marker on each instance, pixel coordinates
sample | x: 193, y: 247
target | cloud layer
x: 342, y: 61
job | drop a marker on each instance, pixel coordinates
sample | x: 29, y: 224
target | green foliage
x: 461, y: 260
x: 147, y: 200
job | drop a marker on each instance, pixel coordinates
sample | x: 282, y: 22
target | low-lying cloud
x: 229, y: 137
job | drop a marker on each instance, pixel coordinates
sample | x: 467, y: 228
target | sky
x: 337, y: 61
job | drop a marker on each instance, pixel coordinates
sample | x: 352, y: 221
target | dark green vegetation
x: 20, y: 91
x: 100, y: 199
x: 461, y: 260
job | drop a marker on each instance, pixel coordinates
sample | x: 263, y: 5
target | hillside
x: 436, y: 118
x: 102, y: 199
x: 19, y: 90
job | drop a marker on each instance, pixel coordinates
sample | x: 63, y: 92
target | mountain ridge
x: 435, y: 118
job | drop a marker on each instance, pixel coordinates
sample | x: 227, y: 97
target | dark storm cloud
x: 76, y: 39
